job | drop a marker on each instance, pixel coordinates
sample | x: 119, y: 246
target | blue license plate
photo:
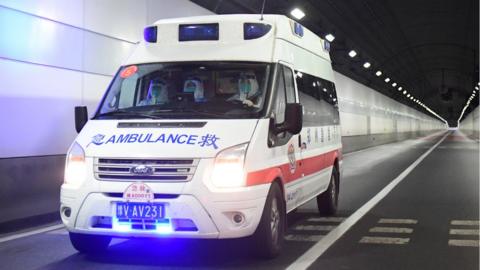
x: 140, y: 210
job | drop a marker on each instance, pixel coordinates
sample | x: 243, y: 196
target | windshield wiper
x: 205, y: 113
x: 127, y: 113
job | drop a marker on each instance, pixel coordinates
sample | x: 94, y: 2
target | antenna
x: 263, y: 8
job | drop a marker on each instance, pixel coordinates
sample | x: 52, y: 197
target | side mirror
x: 81, y: 117
x: 293, y: 119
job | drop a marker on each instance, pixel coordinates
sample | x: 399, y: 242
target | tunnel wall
x: 55, y: 55
x: 58, y: 54
x: 470, y: 125
x: 369, y: 118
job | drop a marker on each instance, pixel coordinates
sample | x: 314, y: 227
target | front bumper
x: 212, y: 214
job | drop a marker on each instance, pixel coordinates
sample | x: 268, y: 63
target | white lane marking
x: 309, y: 257
x: 465, y: 222
x: 303, y: 238
x: 58, y: 232
x: 464, y: 232
x: 463, y: 243
x: 384, y: 240
x: 30, y: 233
x: 326, y: 219
x: 397, y: 221
x: 314, y: 228
x: 390, y: 230
x: 116, y: 241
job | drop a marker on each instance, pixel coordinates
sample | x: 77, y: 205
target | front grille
x: 161, y: 170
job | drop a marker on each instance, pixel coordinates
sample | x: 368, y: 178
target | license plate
x: 140, y: 210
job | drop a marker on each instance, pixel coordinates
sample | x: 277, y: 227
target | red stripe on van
x: 306, y: 166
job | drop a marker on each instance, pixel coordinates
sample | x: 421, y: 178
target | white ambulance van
x: 215, y: 127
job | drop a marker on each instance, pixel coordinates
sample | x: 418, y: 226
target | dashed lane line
x: 312, y: 254
x: 464, y: 231
x: 303, y: 238
x: 390, y: 230
x: 397, y: 221
x: 384, y: 240
x: 463, y: 243
x: 326, y: 219
x: 465, y: 222
x: 314, y: 228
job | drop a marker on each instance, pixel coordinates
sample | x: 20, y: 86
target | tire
x: 327, y: 202
x: 86, y: 243
x: 268, y: 238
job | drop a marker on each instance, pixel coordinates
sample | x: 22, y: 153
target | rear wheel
x: 327, y: 202
x: 268, y: 237
x: 87, y: 243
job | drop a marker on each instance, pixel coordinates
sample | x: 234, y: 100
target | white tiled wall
x: 357, y: 103
x: 57, y: 54
x: 470, y: 125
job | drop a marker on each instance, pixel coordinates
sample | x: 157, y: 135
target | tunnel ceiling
x: 428, y: 47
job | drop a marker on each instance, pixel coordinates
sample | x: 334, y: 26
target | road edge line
x: 30, y: 233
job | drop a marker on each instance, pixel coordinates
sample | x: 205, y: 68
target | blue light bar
x: 150, y: 34
x: 255, y: 30
x: 195, y: 32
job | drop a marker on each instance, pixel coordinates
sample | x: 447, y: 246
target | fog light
x: 67, y: 211
x: 238, y: 218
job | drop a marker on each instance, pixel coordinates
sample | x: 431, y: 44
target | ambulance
x: 215, y: 127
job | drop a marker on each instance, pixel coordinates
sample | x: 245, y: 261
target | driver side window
x: 285, y: 93
x: 280, y: 99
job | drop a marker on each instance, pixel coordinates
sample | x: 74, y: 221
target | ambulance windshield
x: 187, y: 90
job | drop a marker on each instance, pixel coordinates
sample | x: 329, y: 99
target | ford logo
x: 141, y: 170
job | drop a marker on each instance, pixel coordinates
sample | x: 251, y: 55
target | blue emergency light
x: 196, y: 32
x: 255, y: 30
x: 150, y: 34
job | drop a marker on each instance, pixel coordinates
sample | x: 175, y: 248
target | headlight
x: 75, y: 169
x: 228, y: 171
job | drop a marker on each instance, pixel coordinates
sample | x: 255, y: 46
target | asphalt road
x: 418, y: 225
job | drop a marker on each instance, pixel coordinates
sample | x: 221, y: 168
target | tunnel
x: 239, y: 134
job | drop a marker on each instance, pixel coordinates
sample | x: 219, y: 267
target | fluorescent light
x: 330, y: 37
x: 408, y: 95
x: 400, y: 88
x: 476, y: 87
x: 352, y: 53
x: 297, y: 13
x: 394, y: 84
x: 405, y: 92
x: 366, y: 65
x: 378, y: 73
x: 411, y: 97
x: 387, y: 79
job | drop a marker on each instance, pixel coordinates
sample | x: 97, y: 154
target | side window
x: 280, y: 99
x: 289, y: 84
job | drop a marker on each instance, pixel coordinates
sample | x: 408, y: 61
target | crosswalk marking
x: 465, y: 222
x: 464, y: 231
x: 397, y: 221
x: 303, y: 238
x: 314, y: 227
x: 390, y: 230
x: 384, y: 240
x: 326, y: 219
x: 463, y: 243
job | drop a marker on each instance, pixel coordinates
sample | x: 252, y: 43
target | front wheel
x: 87, y: 243
x: 268, y: 237
x: 327, y: 202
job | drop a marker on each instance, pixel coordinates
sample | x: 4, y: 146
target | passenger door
x: 286, y: 143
